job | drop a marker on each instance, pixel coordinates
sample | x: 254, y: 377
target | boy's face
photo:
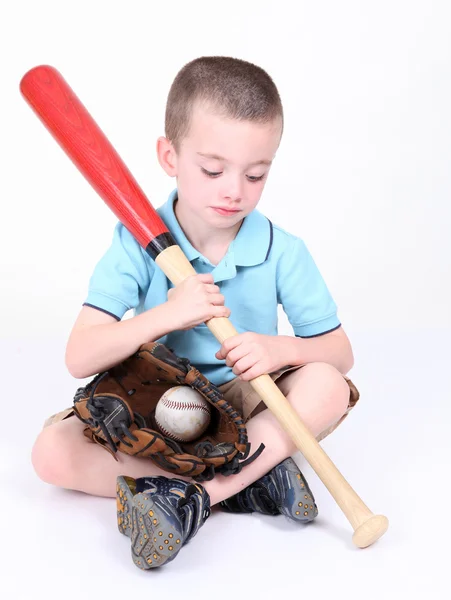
x: 222, y: 166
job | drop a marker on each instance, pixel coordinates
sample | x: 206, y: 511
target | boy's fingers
x: 213, y: 289
x: 219, y: 311
x: 237, y: 354
x: 217, y: 299
x: 242, y: 365
x: 205, y: 277
x: 232, y: 342
x: 251, y: 373
x: 228, y: 345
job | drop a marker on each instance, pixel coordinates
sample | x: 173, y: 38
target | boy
x: 224, y: 122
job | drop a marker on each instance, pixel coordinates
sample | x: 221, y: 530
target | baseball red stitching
x: 178, y: 405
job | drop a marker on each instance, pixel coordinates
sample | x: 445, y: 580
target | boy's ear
x: 167, y: 156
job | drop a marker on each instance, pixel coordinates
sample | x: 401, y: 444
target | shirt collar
x: 250, y: 247
x: 253, y: 241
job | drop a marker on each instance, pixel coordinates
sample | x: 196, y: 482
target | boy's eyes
x: 213, y: 174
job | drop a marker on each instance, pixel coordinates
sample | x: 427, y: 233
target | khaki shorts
x: 242, y: 396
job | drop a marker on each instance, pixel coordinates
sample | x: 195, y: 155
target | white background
x: 363, y: 175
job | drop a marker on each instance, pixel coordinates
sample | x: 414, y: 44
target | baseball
x: 182, y: 414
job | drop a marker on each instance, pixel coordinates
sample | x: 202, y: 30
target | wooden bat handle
x: 367, y: 526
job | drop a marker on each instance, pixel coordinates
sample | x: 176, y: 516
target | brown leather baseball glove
x: 118, y: 408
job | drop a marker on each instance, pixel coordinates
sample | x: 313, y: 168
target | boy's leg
x: 63, y: 456
x: 320, y: 396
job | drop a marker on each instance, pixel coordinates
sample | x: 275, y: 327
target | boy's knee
x: 50, y: 456
x: 334, y: 387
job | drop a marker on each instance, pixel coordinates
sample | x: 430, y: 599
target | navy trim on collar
x: 250, y: 247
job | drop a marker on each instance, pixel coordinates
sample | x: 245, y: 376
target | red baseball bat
x: 82, y: 140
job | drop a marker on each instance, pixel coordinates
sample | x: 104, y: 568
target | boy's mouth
x: 226, y: 212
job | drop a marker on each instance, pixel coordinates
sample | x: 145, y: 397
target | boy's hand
x: 254, y: 354
x: 195, y: 300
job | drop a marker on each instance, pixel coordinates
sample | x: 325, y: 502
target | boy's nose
x: 233, y: 191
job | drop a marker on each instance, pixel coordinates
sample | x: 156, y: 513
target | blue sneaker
x: 283, y: 490
x: 159, y: 515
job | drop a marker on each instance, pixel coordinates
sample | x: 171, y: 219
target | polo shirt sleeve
x: 303, y: 293
x: 121, y: 276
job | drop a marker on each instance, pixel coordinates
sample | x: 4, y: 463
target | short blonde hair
x: 235, y: 88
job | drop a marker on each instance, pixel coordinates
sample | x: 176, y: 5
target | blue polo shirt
x: 264, y: 266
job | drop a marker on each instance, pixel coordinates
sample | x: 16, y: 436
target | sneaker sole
x: 298, y: 503
x: 151, y: 524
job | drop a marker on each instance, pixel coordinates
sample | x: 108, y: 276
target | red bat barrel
x: 66, y: 118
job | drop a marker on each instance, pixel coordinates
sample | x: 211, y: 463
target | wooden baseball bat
x: 82, y: 140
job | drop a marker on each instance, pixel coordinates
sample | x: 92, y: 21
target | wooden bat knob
x: 370, y: 531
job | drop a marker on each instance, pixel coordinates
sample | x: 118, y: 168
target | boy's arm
x: 333, y: 348
x: 311, y: 311
x: 98, y: 340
